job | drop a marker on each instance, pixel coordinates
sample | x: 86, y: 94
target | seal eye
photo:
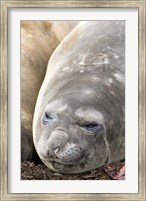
x: 47, y: 118
x: 94, y: 127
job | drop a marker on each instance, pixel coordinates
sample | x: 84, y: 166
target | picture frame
x: 141, y: 5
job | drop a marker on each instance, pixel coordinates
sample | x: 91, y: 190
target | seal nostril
x: 48, y: 153
x: 56, y: 151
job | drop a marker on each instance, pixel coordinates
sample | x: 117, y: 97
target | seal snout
x: 59, y: 148
x: 55, y: 143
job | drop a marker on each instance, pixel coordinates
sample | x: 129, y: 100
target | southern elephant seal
x: 79, y: 119
x: 38, y: 41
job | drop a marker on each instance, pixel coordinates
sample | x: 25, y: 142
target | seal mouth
x: 82, y: 162
x: 67, y: 168
x: 55, y: 160
x: 58, y: 165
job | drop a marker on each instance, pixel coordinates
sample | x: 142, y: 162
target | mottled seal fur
x: 79, y: 119
x: 38, y: 41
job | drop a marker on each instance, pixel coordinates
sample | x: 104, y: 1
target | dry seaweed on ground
x: 30, y: 171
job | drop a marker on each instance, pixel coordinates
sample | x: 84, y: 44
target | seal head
x: 68, y: 142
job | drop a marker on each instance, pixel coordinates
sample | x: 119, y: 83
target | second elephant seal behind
x: 38, y: 41
x: 79, y: 119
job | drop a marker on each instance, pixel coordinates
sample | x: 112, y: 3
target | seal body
x: 79, y: 119
x: 38, y: 41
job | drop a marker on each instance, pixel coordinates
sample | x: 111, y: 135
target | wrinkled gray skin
x: 84, y: 84
x: 38, y: 41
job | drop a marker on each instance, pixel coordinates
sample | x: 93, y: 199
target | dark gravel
x: 113, y: 171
